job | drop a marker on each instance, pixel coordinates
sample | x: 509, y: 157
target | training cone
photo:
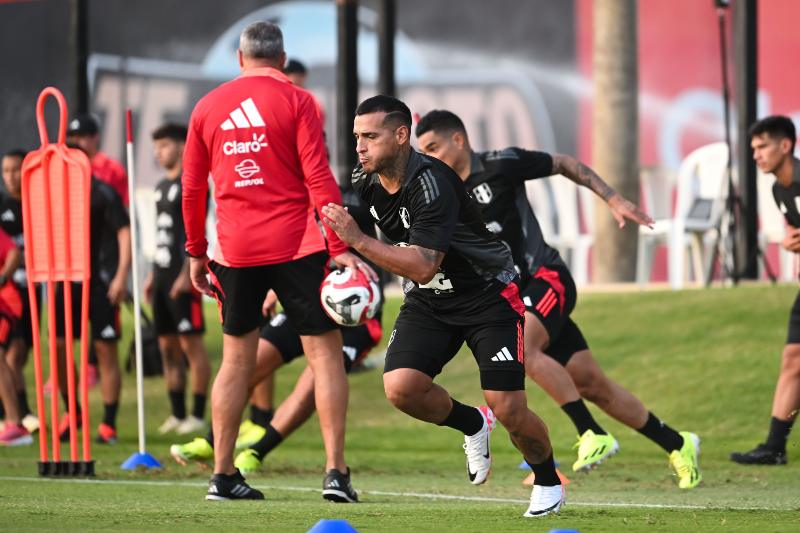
x: 137, y: 460
x: 332, y: 526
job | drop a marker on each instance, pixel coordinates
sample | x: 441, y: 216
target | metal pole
x: 347, y: 88
x: 745, y: 30
x: 387, y: 28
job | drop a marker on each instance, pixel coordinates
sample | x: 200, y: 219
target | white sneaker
x: 31, y: 423
x: 479, y: 457
x: 170, y: 424
x: 192, y: 424
x: 545, y: 500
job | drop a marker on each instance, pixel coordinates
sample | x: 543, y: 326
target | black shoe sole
x: 338, y: 496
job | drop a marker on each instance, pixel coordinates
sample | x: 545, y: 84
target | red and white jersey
x: 261, y: 139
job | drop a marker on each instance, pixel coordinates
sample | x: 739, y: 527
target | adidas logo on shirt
x: 503, y: 355
x: 244, y: 116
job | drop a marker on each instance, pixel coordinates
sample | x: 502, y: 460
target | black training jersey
x: 108, y: 216
x: 497, y: 182
x: 170, y: 234
x: 788, y: 198
x: 433, y: 210
x: 11, y: 223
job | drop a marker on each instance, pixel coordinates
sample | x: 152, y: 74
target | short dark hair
x: 294, y: 66
x: 15, y: 152
x: 440, y: 120
x: 171, y: 130
x: 776, y: 126
x: 396, y: 111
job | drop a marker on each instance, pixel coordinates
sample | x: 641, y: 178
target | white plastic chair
x: 558, y: 204
x: 657, y: 184
x: 690, y: 233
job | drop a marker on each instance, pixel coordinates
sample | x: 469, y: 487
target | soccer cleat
x: 247, y: 461
x: 684, y: 461
x: 31, y: 423
x: 223, y: 487
x: 198, y: 449
x: 545, y: 500
x: 593, y: 449
x: 15, y: 435
x: 249, y: 434
x: 336, y: 487
x: 476, y: 447
x: 760, y: 455
x: 106, y: 434
x: 191, y: 424
x: 170, y: 424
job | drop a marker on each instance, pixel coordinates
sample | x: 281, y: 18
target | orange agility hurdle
x: 56, y: 187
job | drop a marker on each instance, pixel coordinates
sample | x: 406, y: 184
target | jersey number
x: 439, y: 283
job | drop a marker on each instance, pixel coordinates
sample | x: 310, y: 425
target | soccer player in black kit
x: 773, y: 139
x: 557, y: 356
x: 177, y: 306
x: 11, y: 223
x: 459, y: 286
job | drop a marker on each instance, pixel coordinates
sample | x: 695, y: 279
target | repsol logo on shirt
x: 245, y: 147
x: 248, y: 183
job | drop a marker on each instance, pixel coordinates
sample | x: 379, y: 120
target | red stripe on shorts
x: 511, y: 294
x: 554, y: 279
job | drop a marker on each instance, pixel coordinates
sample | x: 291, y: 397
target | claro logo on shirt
x: 245, y: 147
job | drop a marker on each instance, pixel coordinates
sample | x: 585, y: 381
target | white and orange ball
x: 349, y: 298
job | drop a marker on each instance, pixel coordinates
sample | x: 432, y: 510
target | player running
x: 459, y: 286
x: 557, y: 356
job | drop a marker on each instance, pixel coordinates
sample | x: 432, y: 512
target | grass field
x: 704, y: 361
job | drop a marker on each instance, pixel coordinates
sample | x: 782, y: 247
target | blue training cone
x: 332, y: 526
x: 140, y: 459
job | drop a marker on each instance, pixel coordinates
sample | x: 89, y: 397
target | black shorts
x: 420, y: 340
x: 793, y: 335
x: 24, y: 329
x: 357, y: 340
x: 182, y: 315
x: 241, y: 291
x: 551, y: 296
x: 104, y: 317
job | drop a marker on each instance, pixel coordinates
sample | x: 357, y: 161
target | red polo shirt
x: 260, y: 138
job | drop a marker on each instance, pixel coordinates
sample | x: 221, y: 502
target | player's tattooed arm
x: 621, y: 208
x: 413, y: 262
x: 582, y: 175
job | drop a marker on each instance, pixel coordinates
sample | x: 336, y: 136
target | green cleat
x: 247, y: 461
x: 593, y: 449
x: 684, y: 461
x: 198, y: 449
x: 249, y: 434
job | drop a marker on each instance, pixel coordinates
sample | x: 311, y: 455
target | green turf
x: 704, y: 361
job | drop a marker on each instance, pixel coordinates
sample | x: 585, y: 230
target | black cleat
x: 760, y: 455
x: 223, y: 487
x: 337, y: 488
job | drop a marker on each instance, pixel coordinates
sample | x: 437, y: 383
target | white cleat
x: 479, y: 457
x: 31, y: 423
x: 545, y: 500
x: 170, y: 424
x: 191, y: 424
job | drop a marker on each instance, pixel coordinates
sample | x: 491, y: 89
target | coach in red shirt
x: 260, y: 138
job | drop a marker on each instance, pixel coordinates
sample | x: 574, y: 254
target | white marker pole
x: 142, y: 458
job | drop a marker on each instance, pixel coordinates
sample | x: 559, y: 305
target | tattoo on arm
x: 582, y: 175
x: 432, y: 256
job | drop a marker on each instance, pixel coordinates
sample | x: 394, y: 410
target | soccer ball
x: 349, y: 297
